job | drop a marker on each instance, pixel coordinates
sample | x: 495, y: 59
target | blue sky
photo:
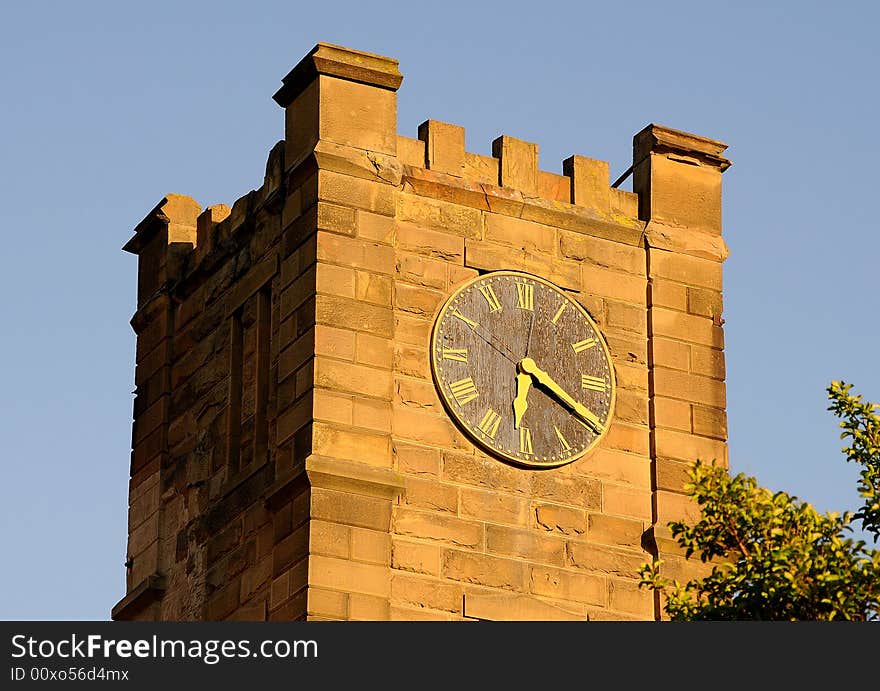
x: 107, y: 106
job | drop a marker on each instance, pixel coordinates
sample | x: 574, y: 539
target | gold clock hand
x: 520, y: 404
x: 528, y: 366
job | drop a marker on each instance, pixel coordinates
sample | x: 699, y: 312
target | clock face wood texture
x: 522, y: 369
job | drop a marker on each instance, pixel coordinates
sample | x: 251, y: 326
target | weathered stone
x: 291, y: 457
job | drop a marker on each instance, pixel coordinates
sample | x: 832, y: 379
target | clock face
x: 523, y: 369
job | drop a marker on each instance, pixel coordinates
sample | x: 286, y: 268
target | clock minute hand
x: 528, y: 366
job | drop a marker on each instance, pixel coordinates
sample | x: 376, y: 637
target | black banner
x: 421, y: 654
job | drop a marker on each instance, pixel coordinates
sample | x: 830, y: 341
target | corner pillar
x: 677, y: 177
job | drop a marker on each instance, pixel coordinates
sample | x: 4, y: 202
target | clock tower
x: 403, y: 380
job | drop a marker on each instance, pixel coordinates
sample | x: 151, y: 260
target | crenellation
x: 517, y: 164
x: 444, y: 147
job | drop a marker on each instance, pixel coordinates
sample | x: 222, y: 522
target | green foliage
x: 861, y: 424
x: 773, y: 557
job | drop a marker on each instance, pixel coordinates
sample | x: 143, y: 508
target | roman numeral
x: 562, y: 440
x: 489, y: 424
x: 489, y: 293
x: 592, y: 426
x: 464, y: 390
x: 558, y: 313
x: 581, y: 346
x: 470, y: 322
x: 458, y: 354
x: 525, y: 441
x: 593, y: 383
x: 525, y: 296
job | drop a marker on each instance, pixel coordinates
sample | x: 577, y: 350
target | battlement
x: 337, y: 128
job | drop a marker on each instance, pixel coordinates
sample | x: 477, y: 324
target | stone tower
x: 291, y: 458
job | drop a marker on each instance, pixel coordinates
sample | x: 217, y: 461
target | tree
x: 773, y: 556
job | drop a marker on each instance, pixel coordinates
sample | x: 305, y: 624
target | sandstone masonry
x: 290, y: 456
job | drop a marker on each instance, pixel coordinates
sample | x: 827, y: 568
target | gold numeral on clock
x: 489, y: 424
x: 581, y: 346
x: 558, y: 313
x: 457, y: 354
x: 463, y: 390
x: 562, y: 440
x: 525, y: 296
x: 593, y: 426
x: 525, y: 441
x: 470, y: 322
x: 489, y: 293
x: 593, y: 383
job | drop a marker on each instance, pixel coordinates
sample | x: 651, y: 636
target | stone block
x: 373, y: 415
x: 483, y: 569
x: 611, y: 561
x: 351, y: 444
x: 439, y: 215
x: 420, y: 271
x: 358, y: 193
x: 438, y: 527
x: 444, y: 146
x: 493, y: 507
x: 411, y: 152
x: 590, y: 182
x: 355, y: 253
x: 567, y: 585
x: 627, y: 502
x: 710, y: 422
x: 375, y: 228
x: 528, y: 545
x: 671, y: 383
x: 413, y: 459
x: 422, y: 302
x: 663, y: 293
x: 692, y: 271
x: 431, y: 495
x: 564, y: 520
x: 349, y: 576
x: 484, y: 472
x: 374, y: 319
x: 708, y: 362
x: 329, y: 539
x: 415, y: 557
x: 351, y: 509
x: 434, y: 244
x: 525, y: 235
x: 614, y: 530
x: 616, y: 285
x: 671, y: 413
x: 358, y: 115
x: 602, y: 253
x: 330, y: 406
x: 517, y: 164
x: 685, y: 327
x: 371, y: 546
x: 425, y: 428
x: 688, y: 447
x: 554, y: 187
x: 418, y: 592
x: 346, y: 377
x: 626, y: 596
x: 329, y: 604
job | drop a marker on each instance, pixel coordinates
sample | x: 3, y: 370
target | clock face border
x: 463, y: 425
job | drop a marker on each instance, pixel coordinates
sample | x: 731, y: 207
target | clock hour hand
x: 520, y: 404
x: 528, y: 366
